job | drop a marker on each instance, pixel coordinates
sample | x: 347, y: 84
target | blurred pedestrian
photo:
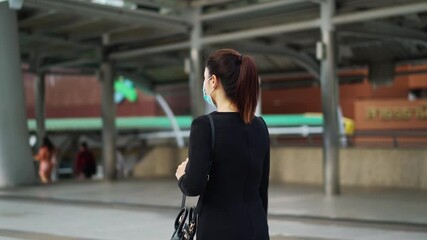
x: 85, y: 164
x: 47, y: 159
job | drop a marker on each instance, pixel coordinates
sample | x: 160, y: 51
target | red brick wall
x: 76, y: 96
x: 80, y: 97
x: 301, y: 100
x: 29, y: 94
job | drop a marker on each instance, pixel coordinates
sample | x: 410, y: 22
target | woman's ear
x: 214, y: 82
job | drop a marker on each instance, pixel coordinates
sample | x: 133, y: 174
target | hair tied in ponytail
x: 241, y: 58
x: 239, y: 79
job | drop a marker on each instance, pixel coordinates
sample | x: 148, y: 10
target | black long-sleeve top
x: 234, y: 190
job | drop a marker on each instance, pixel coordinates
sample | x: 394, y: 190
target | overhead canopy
x: 149, y: 39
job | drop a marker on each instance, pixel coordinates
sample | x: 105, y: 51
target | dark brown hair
x: 47, y: 143
x: 239, y: 77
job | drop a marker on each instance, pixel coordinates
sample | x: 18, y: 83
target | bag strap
x: 213, y: 135
x: 211, y: 121
x: 183, y: 201
x: 212, y: 124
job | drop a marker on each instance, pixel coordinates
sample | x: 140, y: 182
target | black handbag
x: 185, y: 224
x: 187, y: 219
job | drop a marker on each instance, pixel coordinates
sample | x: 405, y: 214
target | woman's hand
x: 181, y: 169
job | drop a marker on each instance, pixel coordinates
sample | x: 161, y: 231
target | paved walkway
x: 377, y: 205
x: 146, y: 209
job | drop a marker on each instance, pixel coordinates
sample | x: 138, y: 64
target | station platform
x: 404, y: 211
x: 357, y: 204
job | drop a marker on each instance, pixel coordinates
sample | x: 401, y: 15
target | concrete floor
x: 146, y: 210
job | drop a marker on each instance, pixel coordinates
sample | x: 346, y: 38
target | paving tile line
x: 299, y: 238
x: 29, y: 235
x: 378, y: 224
x: 367, y: 223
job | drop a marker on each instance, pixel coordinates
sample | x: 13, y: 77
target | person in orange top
x: 46, y: 157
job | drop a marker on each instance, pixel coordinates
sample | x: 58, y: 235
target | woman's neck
x: 223, y: 103
x: 226, y: 107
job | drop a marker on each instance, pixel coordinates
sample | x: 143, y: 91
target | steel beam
x: 379, y: 36
x: 101, y: 32
x: 72, y: 63
x: 300, y: 58
x: 149, y: 50
x: 110, y: 12
x: 79, y: 73
x: 310, y: 24
x: 56, y: 40
x: 217, y: 39
x: 146, y: 3
x: 45, y: 52
x: 368, y: 15
x: 141, y: 39
x: 330, y: 100
x: 205, y: 3
x: 75, y: 24
x: 282, y: 28
x: 386, y: 31
x: 264, y: 31
x: 315, y: 23
x: 36, y: 17
x: 249, y: 9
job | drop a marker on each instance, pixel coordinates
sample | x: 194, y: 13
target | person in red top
x: 85, y: 165
x: 46, y: 157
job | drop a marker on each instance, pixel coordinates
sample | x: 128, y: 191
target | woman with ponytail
x: 233, y: 185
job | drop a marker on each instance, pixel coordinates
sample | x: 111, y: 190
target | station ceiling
x: 149, y: 40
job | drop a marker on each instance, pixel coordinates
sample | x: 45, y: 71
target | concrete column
x: 330, y: 100
x: 258, y: 110
x: 40, y: 107
x: 108, y: 121
x: 16, y: 163
x: 197, y: 66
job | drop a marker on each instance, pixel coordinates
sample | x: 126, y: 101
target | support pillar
x: 258, y: 110
x: 330, y: 100
x: 40, y: 107
x: 16, y: 162
x: 196, y: 64
x: 108, y: 121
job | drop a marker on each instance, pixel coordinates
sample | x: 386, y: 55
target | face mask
x: 208, y: 97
